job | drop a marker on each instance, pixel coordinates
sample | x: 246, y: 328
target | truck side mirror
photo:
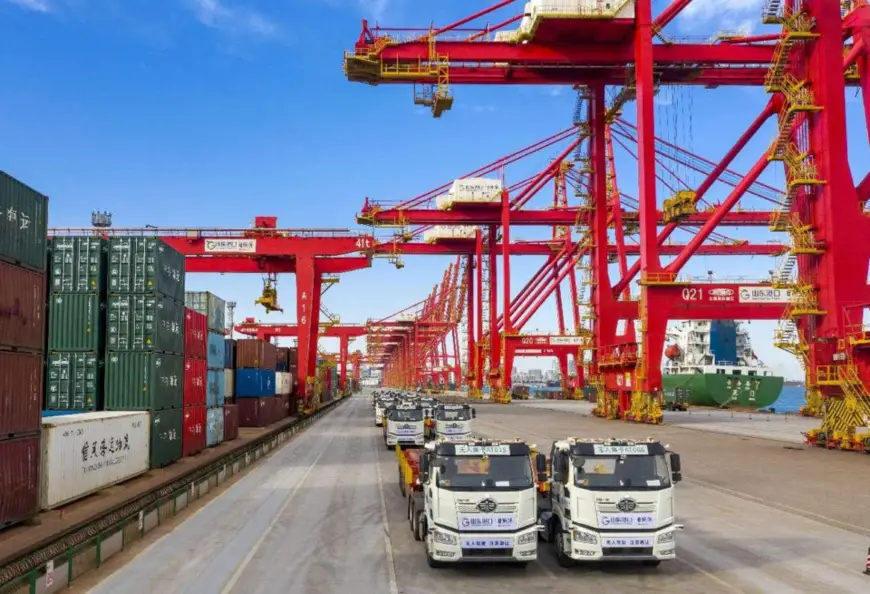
x: 541, y: 464
x: 676, y: 468
x: 473, y: 413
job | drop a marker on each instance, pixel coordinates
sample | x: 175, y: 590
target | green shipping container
x: 23, y: 224
x: 143, y: 381
x: 145, y: 265
x: 78, y: 264
x: 165, y: 437
x: 145, y: 323
x: 74, y: 381
x: 76, y: 322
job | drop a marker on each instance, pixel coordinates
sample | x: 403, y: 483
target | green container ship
x: 711, y: 363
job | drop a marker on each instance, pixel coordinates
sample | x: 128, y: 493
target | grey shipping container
x: 78, y: 264
x: 74, y: 381
x: 76, y: 322
x: 143, y: 381
x: 145, y: 265
x: 213, y: 307
x: 24, y: 224
x: 166, y: 437
x: 145, y: 323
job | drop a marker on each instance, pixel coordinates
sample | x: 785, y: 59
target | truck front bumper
x: 587, y: 545
x: 470, y: 547
x: 405, y: 440
x: 455, y: 436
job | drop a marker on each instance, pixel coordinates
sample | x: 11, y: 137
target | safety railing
x: 201, y: 232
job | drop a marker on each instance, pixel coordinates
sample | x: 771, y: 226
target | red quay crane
x: 819, y: 293
x: 267, y: 249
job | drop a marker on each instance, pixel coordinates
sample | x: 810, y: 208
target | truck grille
x: 627, y: 551
x: 471, y: 508
x: 610, y: 508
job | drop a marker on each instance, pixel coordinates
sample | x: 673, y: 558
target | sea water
x: 790, y: 400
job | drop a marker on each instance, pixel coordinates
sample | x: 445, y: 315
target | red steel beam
x: 549, y: 248
x: 551, y: 217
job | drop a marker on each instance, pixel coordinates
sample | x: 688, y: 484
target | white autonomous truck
x: 475, y: 501
x: 453, y: 421
x: 405, y: 426
x: 611, y: 500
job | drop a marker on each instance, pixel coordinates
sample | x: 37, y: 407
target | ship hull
x: 712, y: 389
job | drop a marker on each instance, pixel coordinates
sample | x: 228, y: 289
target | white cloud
x: 483, y: 108
x: 218, y: 15
x: 727, y: 15
x: 35, y: 5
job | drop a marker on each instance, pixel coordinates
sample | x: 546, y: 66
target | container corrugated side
x: 166, y: 430
x: 76, y: 322
x: 20, y: 393
x: 229, y: 353
x: 145, y: 323
x: 211, y: 306
x: 74, y: 381
x: 24, y: 224
x: 231, y: 422
x: 78, y: 264
x: 195, y: 374
x: 229, y: 381
x: 253, y: 353
x: 215, y: 354
x: 254, y: 383
x: 214, y: 389
x: 194, y: 430
x: 145, y: 265
x: 143, y: 381
x: 282, y: 383
x: 19, y: 479
x: 195, y: 334
x: 22, y: 308
x: 254, y: 412
x: 82, y: 454
x: 215, y: 426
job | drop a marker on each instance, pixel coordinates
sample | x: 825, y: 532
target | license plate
x: 627, y: 542
x: 486, y: 543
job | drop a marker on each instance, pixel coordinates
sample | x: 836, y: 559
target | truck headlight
x: 444, y: 538
x: 527, y: 538
x: 585, y: 537
x: 665, y: 537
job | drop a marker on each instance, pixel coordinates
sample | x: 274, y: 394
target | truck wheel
x: 563, y: 559
x: 415, y: 523
x: 401, y: 482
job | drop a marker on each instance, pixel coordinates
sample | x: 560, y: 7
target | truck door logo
x: 487, y: 506
x: 627, y: 505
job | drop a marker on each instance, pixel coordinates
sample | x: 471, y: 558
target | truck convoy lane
x: 306, y: 520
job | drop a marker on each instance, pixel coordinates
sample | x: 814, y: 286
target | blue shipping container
x: 215, y: 354
x: 282, y: 367
x: 57, y: 413
x: 214, y: 432
x: 723, y: 341
x: 214, y: 388
x: 229, y: 353
x: 254, y: 383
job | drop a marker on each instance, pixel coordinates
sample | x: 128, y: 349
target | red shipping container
x: 193, y: 431
x: 195, y: 371
x: 21, y: 381
x: 19, y: 479
x: 253, y: 353
x: 22, y: 308
x: 195, y: 334
x: 254, y: 412
x: 231, y: 422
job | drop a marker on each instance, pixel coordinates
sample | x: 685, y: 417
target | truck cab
x: 612, y: 500
x: 381, y: 406
x: 453, y: 421
x: 404, y: 425
x: 476, y: 501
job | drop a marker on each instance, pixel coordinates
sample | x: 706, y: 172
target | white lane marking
x: 709, y: 574
x: 388, y: 545
x: 250, y: 556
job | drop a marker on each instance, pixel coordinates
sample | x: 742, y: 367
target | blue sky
x: 209, y: 112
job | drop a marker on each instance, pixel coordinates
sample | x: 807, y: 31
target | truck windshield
x: 461, y: 414
x: 478, y: 473
x: 615, y: 472
x: 413, y: 414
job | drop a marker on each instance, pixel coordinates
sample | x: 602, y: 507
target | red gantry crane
x: 266, y: 249
x: 819, y: 293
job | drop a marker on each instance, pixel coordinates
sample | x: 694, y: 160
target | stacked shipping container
x: 256, y: 361
x: 76, y: 323
x: 145, y: 339
x: 214, y: 309
x: 195, y: 379
x: 23, y: 231
x: 231, y: 410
